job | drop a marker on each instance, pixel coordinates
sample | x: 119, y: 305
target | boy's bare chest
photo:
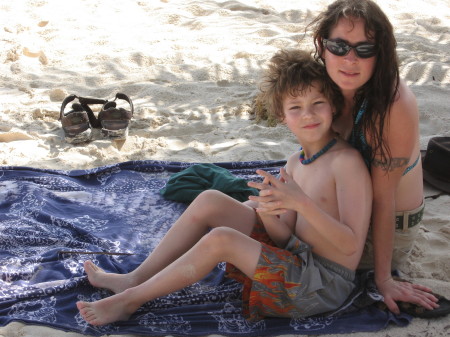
x: 319, y: 185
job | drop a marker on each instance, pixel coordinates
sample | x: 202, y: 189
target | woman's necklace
x: 317, y: 155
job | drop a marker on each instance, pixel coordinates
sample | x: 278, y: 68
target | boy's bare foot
x: 117, y: 283
x: 106, y: 311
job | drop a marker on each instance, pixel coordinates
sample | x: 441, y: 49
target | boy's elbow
x: 351, y: 251
x: 350, y: 248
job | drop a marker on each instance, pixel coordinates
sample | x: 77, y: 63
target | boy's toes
x: 84, y: 309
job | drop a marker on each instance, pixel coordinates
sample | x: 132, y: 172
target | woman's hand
x: 393, y: 290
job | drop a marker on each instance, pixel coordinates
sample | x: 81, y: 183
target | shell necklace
x: 316, y: 155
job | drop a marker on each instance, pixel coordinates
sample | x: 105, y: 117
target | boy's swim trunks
x: 292, y: 282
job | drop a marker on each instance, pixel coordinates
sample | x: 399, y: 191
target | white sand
x: 192, y: 68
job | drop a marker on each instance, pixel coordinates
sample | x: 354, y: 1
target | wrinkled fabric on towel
x: 52, y: 221
x: 186, y: 185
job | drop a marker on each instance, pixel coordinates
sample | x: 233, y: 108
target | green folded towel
x: 186, y: 185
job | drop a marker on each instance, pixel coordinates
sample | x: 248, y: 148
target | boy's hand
x: 276, y: 196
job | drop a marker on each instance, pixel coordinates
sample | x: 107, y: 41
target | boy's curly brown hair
x: 291, y: 72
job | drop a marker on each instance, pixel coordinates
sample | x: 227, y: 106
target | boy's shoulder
x: 344, y: 149
x: 346, y: 159
x: 342, y: 155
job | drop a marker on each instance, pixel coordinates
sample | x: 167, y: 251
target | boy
x: 299, y: 250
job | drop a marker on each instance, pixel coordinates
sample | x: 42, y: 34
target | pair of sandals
x: 77, y: 122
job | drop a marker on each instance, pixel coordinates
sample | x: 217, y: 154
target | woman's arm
x: 400, y: 133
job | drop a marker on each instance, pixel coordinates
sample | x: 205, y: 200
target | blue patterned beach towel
x: 47, y: 215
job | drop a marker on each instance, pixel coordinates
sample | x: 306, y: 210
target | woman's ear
x: 321, y: 50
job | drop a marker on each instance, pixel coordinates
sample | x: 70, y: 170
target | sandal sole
x: 120, y: 134
x: 79, y: 138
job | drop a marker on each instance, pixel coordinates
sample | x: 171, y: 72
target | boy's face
x: 308, y: 115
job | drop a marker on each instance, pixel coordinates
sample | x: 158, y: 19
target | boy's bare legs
x: 210, y: 209
x: 221, y: 244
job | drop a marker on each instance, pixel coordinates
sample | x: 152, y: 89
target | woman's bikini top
x: 358, y: 141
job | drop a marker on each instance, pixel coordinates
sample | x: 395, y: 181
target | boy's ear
x: 334, y: 113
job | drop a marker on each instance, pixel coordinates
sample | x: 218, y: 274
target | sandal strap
x: 120, y: 95
x: 91, y: 100
x: 85, y: 101
x: 66, y: 101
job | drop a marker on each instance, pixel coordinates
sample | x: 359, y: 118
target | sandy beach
x: 192, y: 70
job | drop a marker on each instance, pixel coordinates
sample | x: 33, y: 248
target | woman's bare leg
x: 221, y: 244
x: 211, y: 209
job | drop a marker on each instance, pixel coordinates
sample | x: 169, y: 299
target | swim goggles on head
x: 363, y: 50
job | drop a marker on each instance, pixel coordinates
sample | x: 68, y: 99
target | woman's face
x: 349, y: 72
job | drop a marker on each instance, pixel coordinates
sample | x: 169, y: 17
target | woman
x: 355, y: 41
